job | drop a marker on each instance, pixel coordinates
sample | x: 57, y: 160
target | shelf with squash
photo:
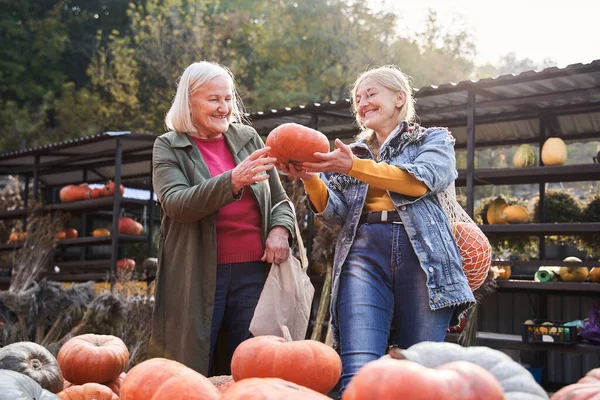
x: 524, y: 171
x: 515, y: 342
x: 130, y: 231
x: 81, y: 206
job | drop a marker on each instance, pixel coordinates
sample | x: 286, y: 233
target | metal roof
x: 63, y: 162
x: 508, y: 110
x: 507, y: 107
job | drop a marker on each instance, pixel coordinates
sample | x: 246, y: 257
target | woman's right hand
x: 250, y: 170
x: 293, y: 172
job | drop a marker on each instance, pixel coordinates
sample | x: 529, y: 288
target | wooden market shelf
x: 515, y: 342
x: 528, y: 285
x: 83, y: 241
x: 102, y: 240
x: 104, y: 203
x: 546, y: 263
x: 542, y: 229
x: 519, y: 176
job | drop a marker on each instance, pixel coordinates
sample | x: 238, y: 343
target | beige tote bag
x: 287, y: 296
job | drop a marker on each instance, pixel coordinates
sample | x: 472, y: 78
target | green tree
x: 33, y: 41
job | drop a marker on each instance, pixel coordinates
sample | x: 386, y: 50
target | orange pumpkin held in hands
x: 92, y: 358
x: 294, y: 144
x: 306, y: 362
x: 162, y: 379
x: 403, y: 379
x: 88, y: 391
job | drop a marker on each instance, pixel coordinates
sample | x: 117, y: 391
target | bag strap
x: 301, y: 250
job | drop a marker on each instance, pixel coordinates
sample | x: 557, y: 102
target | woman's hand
x: 340, y: 160
x: 249, y: 171
x: 277, y: 248
x: 292, y: 172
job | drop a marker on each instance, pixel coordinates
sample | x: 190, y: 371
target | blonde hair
x: 197, y: 74
x: 392, y: 78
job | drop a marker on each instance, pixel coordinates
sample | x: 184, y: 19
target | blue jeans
x: 382, y: 282
x: 238, y: 289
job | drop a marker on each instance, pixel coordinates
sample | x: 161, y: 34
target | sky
x: 567, y: 32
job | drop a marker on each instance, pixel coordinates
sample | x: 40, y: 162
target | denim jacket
x: 427, y: 154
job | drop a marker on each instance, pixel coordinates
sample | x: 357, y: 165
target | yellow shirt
x: 381, y: 178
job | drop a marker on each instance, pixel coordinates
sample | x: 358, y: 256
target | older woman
x: 396, y: 260
x: 216, y: 186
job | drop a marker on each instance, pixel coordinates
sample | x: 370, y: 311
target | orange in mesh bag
x: 473, y: 245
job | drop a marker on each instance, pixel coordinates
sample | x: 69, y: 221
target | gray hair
x: 197, y: 74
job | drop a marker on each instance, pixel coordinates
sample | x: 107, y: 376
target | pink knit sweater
x: 238, y: 223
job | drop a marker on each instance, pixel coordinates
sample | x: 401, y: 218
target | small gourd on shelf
x: 554, y: 151
x: 524, y: 157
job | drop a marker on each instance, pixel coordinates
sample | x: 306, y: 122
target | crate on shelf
x: 550, y: 332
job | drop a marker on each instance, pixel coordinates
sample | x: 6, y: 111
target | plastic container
x: 549, y: 332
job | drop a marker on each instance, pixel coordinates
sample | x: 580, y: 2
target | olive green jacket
x: 187, y: 253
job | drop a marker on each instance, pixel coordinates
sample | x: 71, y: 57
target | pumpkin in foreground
x: 163, y: 379
x: 517, y: 382
x: 587, y: 388
x: 35, y: 361
x: 16, y: 386
x: 93, y: 358
x: 385, y: 379
x: 309, y: 363
x: 294, y: 144
x: 222, y: 382
x: 88, y: 391
x: 270, y: 389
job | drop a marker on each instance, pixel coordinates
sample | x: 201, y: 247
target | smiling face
x: 377, y: 107
x: 211, y: 107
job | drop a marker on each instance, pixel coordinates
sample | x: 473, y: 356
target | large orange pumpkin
x: 587, y: 388
x: 93, y: 358
x: 162, y: 379
x: 115, y: 384
x: 306, y: 362
x: 222, y: 382
x: 88, y: 391
x: 475, y: 252
x: 269, y: 389
x: 403, y: 379
x: 294, y: 143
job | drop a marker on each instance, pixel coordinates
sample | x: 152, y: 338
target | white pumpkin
x: 517, y: 382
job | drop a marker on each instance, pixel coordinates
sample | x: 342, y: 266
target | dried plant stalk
x: 323, y: 304
x: 37, y: 250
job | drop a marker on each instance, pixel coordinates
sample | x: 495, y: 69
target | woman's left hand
x: 340, y: 160
x: 277, y: 248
